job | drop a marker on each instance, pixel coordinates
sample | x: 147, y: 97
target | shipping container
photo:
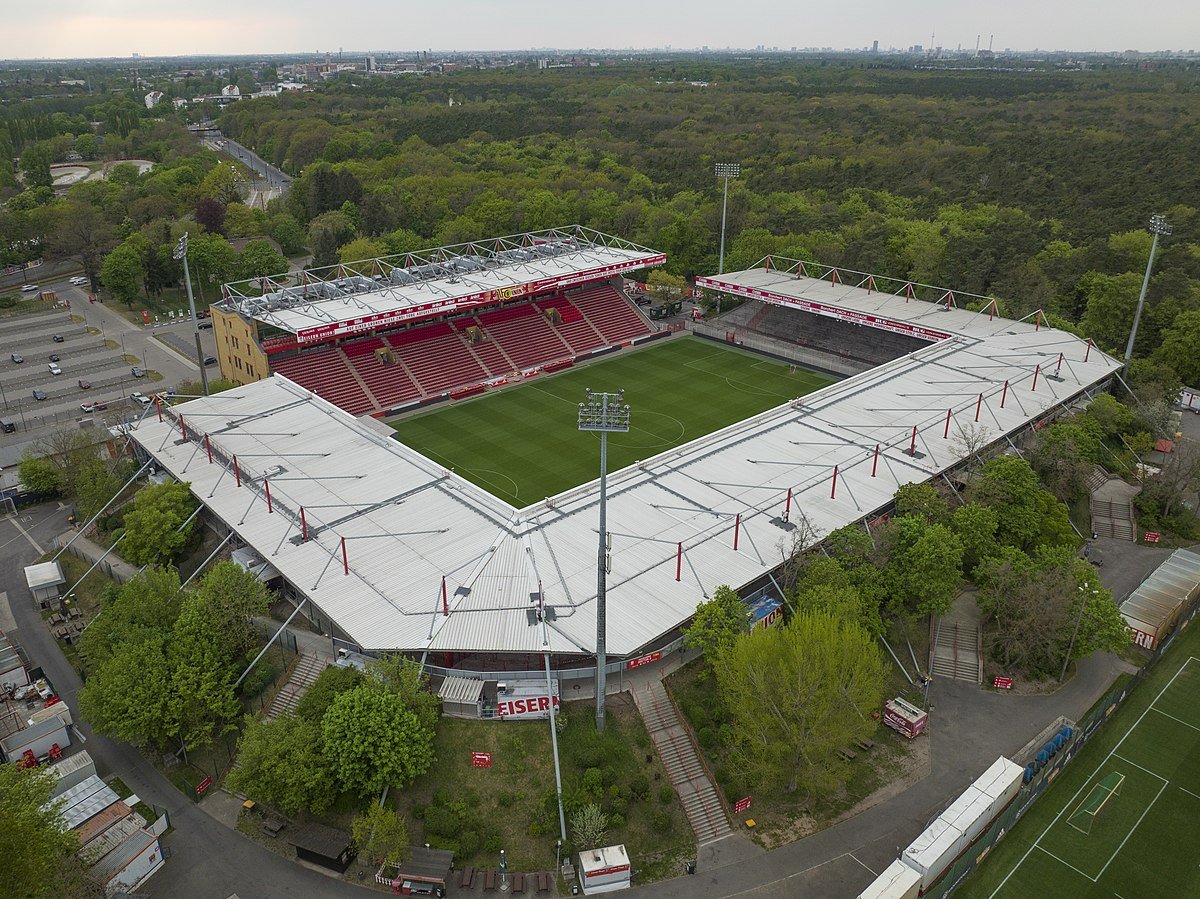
x: 72, y: 770
x: 1000, y: 781
x: 604, y: 870
x: 84, y: 800
x: 129, y: 865
x: 898, y: 881
x: 37, y: 738
x: 933, y: 851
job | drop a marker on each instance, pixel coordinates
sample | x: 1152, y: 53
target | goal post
x: 1095, y: 801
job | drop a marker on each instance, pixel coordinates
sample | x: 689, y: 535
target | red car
x: 84, y: 385
x: 97, y: 406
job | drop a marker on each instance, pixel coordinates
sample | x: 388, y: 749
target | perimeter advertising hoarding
x: 846, y: 315
x: 322, y: 333
x: 524, y: 700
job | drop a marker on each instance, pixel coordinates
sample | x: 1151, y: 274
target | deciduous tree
x: 154, y: 526
x: 281, y: 762
x: 375, y: 741
x: 717, y: 624
x: 381, y: 834
x: 38, y: 850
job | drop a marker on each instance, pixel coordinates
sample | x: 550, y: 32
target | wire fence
x: 1101, y: 712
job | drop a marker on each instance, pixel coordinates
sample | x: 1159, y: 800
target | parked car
x: 18, y: 358
x: 139, y: 397
x: 137, y: 372
x: 54, y: 357
x: 54, y: 369
x: 97, y: 406
x: 210, y: 360
x: 85, y: 385
x: 204, y: 324
x: 28, y: 288
x: 39, y: 395
x: 79, y: 281
x: 58, y: 338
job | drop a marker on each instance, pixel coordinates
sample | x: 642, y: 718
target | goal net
x: 1085, y: 813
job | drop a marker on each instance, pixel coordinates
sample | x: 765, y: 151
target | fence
x: 105, y: 566
x: 1084, y: 730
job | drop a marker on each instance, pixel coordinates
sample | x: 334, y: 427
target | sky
x: 102, y: 28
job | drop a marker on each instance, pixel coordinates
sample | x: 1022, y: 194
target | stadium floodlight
x: 1158, y: 227
x: 725, y: 170
x: 602, y: 413
x: 1084, y: 598
x: 181, y: 254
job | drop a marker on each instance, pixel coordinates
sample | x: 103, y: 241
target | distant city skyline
x: 120, y: 28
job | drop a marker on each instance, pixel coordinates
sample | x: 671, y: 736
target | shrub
x: 708, y: 737
x: 492, y: 840
x: 616, y: 822
x: 441, y: 821
x: 418, y: 810
x: 258, y: 678
x: 468, y: 844
x: 535, y: 829
x: 660, y: 821
x: 442, y: 797
x: 639, y: 786
x: 593, y: 782
x: 619, y: 806
x: 665, y: 794
x: 505, y: 799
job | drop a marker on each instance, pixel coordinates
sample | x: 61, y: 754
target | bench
x: 272, y: 826
x: 518, y: 883
x: 865, y: 745
x: 848, y: 754
x: 543, y: 882
x: 489, y: 879
x: 466, y: 877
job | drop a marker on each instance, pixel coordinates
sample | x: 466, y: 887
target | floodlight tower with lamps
x: 725, y: 170
x: 181, y: 253
x: 1158, y: 227
x: 603, y: 413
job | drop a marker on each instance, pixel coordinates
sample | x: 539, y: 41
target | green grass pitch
x: 522, y: 444
x: 1145, y: 842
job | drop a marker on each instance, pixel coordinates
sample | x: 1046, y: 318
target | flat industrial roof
x: 407, y: 522
x: 358, y: 297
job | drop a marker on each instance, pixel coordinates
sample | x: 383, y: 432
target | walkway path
x: 955, y: 650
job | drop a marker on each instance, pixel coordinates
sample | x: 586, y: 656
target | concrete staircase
x: 1113, y: 519
x: 306, y: 671
x: 956, y: 643
x: 679, y: 756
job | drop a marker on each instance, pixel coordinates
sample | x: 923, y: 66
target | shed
x: 424, y: 865
x: 129, y: 864
x: 1152, y: 610
x: 13, y: 664
x: 45, y: 581
x: 37, y: 738
x: 604, y: 870
x: 104, y: 819
x: 85, y: 800
x: 461, y: 697
x: 72, y: 770
x: 323, y: 846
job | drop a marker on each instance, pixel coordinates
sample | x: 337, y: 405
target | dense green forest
x: 1032, y: 186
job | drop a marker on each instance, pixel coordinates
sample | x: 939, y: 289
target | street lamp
x: 725, y: 170
x: 602, y: 412
x: 1083, y: 601
x: 181, y: 253
x: 1158, y: 227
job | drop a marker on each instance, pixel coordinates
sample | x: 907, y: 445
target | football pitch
x: 522, y: 443
x: 1080, y: 839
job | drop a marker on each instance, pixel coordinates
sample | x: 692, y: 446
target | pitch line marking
x: 1136, y: 765
x: 1145, y: 812
x: 860, y: 861
x: 1173, y: 718
x: 1067, y: 864
x: 1071, y: 801
x: 1189, y: 792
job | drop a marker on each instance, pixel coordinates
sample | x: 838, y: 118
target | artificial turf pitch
x: 522, y: 443
x: 1145, y: 842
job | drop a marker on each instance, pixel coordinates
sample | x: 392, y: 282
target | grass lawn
x: 781, y: 818
x: 1144, y: 840
x: 511, y: 805
x: 522, y: 444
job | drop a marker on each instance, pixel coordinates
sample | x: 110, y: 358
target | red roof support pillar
x: 1038, y: 324
x: 1036, y: 371
x: 208, y: 447
x: 833, y: 486
x: 303, y: 526
x: 679, y: 561
x: 787, y: 506
x: 978, y: 406
x: 1089, y: 350
x: 737, y: 530
x: 158, y: 406
x: 1060, y: 361
x: 267, y: 485
x: 237, y: 472
x: 912, y: 446
x: 445, y: 600
x: 992, y: 310
x: 875, y: 461
x: 1004, y: 395
x: 345, y: 558
x: 946, y: 432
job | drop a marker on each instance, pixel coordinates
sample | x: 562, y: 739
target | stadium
x: 465, y: 530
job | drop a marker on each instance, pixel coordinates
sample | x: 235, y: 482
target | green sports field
x: 522, y: 444
x: 1145, y: 840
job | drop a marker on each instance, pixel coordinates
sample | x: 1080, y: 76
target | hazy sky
x: 72, y: 28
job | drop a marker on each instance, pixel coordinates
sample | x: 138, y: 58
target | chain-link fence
x: 1083, y: 731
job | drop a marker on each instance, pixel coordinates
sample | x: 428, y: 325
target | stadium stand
x: 576, y: 330
x: 326, y: 371
x: 437, y: 357
x: 527, y: 338
x: 610, y: 313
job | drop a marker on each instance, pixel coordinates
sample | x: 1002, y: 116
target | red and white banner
x: 647, y: 659
x: 741, y: 805
x: 846, y: 315
x: 481, y: 759
x: 525, y: 707
x: 606, y: 872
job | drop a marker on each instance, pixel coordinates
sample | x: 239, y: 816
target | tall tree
x: 924, y: 567
x: 80, y: 231
x: 282, y: 763
x: 797, y: 694
x: 154, y: 526
x: 717, y: 624
x: 382, y: 834
x: 1009, y: 486
x: 38, y: 851
x: 375, y: 741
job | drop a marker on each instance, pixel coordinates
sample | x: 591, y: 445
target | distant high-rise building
x: 874, y: 46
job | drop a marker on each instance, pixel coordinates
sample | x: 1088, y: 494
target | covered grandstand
x: 386, y: 334
x: 395, y: 552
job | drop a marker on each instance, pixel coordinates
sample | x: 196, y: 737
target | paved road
x: 208, y: 860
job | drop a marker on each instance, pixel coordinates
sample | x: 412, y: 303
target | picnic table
x: 848, y: 754
x: 272, y: 826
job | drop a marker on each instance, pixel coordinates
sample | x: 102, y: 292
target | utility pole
x: 725, y: 170
x: 602, y: 412
x: 1158, y: 226
x: 181, y: 253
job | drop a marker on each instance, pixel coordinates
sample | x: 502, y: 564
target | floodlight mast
x: 725, y: 170
x: 181, y: 254
x: 1158, y: 226
x: 602, y: 412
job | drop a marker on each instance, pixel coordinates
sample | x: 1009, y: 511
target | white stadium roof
x: 408, y: 522
x: 320, y: 304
